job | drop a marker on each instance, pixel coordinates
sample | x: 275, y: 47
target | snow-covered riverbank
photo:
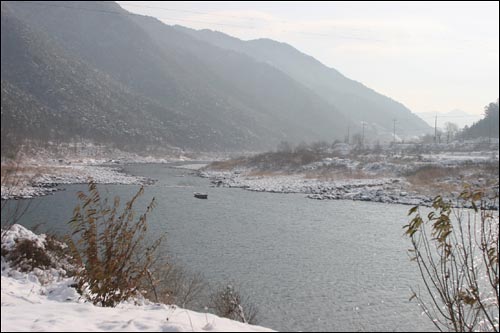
x: 388, y: 190
x: 33, y: 180
x: 36, y: 171
x: 41, y: 178
x: 388, y: 179
x: 45, y: 301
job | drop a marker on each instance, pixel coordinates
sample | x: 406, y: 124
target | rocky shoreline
x: 34, y: 184
x: 383, y: 190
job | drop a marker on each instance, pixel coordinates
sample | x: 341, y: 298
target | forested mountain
x: 91, y: 70
x: 49, y: 95
x: 488, y: 127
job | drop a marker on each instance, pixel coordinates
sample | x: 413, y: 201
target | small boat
x: 201, y: 195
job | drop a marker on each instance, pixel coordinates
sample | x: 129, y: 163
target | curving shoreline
x: 41, y: 180
x: 383, y: 190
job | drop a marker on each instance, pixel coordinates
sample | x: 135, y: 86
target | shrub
x: 227, y: 302
x: 27, y: 255
x: 171, y: 283
x: 457, y: 255
x: 114, y: 262
x: 39, y: 255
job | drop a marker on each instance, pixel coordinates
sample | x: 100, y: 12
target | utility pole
x: 394, y: 130
x: 435, y: 128
x: 489, y: 131
x: 348, y: 134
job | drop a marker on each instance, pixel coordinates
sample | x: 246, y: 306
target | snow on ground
x: 30, y: 305
x: 457, y: 158
x: 37, y: 171
x: 41, y: 179
x: 375, y: 178
x: 388, y: 190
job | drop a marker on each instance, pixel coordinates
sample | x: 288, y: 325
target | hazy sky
x: 431, y: 56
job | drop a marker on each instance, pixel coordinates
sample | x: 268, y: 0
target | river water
x: 307, y: 265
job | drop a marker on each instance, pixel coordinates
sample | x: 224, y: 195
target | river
x: 306, y: 264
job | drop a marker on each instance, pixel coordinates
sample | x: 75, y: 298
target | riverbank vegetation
x: 457, y: 255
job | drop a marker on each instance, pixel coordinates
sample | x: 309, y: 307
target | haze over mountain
x: 356, y: 101
x: 91, y: 70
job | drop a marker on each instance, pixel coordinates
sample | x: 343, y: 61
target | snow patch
x: 29, y: 304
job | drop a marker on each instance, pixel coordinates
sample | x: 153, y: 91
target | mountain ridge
x: 113, y: 77
x: 328, y: 82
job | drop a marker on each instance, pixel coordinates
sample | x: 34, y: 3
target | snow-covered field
x: 45, y: 301
x: 458, y: 158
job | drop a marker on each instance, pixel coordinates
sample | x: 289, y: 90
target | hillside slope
x: 355, y: 100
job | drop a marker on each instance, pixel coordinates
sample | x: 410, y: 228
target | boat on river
x: 201, y: 195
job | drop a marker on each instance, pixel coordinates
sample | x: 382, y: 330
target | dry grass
x: 9, y: 169
x: 13, y: 174
x: 226, y: 165
x: 488, y: 171
x: 432, y: 180
x: 266, y: 173
x: 333, y: 175
x: 429, y: 180
x: 428, y: 175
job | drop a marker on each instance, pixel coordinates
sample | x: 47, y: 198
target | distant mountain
x: 356, y: 101
x: 91, y: 70
x: 456, y: 116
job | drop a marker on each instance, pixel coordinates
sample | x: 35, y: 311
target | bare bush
x: 457, y: 255
x: 36, y: 255
x: 11, y: 181
x: 27, y: 255
x: 228, y: 302
x: 171, y: 283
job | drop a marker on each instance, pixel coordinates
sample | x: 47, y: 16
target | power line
x: 261, y: 3
x: 126, y: 13
x: 196, y: 21
x: 188, y: 11
x: 251, y: 19
x: 257, y: 19
x: 330, y: 35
